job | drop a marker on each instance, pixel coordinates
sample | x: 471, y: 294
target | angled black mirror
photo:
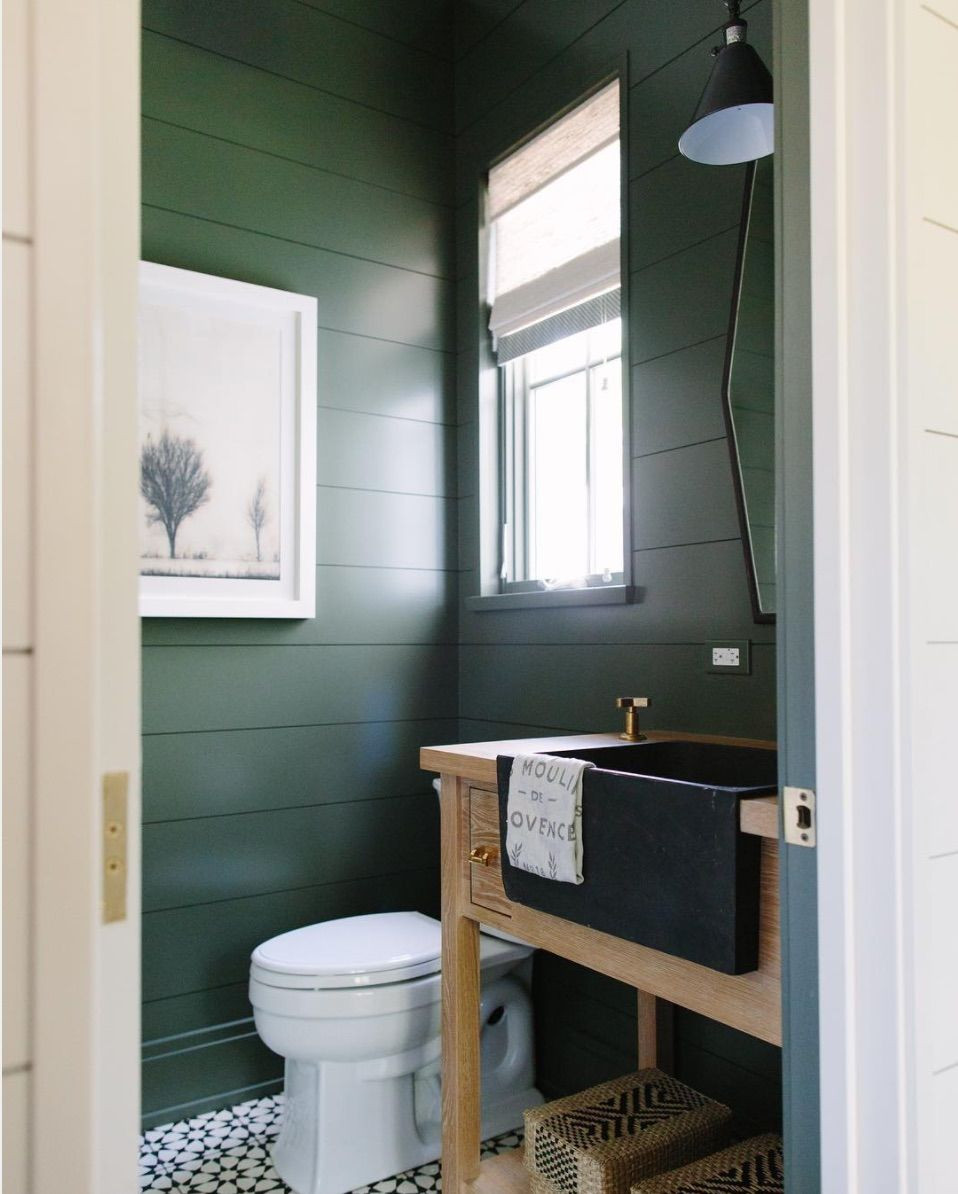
x: 749, y: 387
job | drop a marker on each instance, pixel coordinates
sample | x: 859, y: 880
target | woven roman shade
x: 554, y: 209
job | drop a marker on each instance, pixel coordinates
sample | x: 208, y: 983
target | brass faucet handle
x: 632, y: 705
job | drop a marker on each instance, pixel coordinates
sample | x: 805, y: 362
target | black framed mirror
x: 748, y: 389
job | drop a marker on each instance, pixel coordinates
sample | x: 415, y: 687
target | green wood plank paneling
x: 248, y: 687
x: 356, y: 296
x: 381, y: 378
x: 748, y: 1052
x: 529, y: 37
x: 198, y: 90
x: 472, y: 730
x: 673, y: 605
x: 360, y: 451
x: 677, y: 398
x: 683, y: 299
x: 423, y: 24
x: 476, y: 19
x: 385, y: 529
x: 756, y: 1101
x: 242, y: 771
x: 198, y: 175
x: 193, y: 1016
x: 680, y: 204
x: 285, y: 766
x: 527, y: 672
x: 282, y: 849
x: 239, y: 1069
x: 209, y: 945
x: 297, y: 42
x: 575, y: 686
x: 684, y: 495
x: 355, y: 605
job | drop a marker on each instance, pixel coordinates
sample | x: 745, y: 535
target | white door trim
x: 856, y: 393
x: 85, y: 154
x: 884, y: 218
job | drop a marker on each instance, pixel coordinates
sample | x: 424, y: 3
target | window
x: 553, y: 224
x: 562, y: 416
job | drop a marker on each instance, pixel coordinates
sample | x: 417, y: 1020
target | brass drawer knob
x: 483, y: 855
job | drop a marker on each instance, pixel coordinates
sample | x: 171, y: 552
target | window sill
x: 552, y: 598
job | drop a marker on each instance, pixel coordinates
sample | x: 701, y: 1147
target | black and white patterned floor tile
x: 227, y: 1152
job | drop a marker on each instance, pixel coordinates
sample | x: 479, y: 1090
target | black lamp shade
x: 734, y: 119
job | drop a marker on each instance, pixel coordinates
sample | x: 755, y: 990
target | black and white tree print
x: 257, y: 512
x: 173, y: 481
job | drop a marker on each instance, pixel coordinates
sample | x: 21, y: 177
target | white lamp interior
x: 738, y: 134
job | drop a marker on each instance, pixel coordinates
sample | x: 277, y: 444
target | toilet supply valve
x: 483, y: 855
x: 632, y: 705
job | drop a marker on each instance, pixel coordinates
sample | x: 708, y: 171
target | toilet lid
x: 387, y: 947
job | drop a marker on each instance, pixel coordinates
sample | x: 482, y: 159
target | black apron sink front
x: 664, y: 861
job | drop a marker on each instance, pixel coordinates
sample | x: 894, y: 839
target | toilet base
x: 331, y: 1103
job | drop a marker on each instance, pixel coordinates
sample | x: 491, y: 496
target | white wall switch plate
x: 729, y: 657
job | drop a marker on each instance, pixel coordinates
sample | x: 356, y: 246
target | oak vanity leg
x: 460, y: 998
x: 655, y: 1032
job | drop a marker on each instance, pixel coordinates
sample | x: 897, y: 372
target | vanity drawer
x: 485, y: 878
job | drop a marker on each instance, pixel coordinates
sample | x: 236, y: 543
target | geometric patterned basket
x: 602, y: 1140
x: 754, y: 1167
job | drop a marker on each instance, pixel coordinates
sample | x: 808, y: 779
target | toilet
x: 352, y: 1006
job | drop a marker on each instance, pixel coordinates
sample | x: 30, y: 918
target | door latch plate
x: 798, y: 811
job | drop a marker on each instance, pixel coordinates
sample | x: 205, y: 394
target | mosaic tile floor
x: 227, y: 1152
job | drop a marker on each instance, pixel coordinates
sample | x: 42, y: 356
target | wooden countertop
x: 476, y: 761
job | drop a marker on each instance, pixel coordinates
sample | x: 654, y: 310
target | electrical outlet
x: 731, y: 657
x: 725, y: 656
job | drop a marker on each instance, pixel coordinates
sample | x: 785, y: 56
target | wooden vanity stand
x: 472, y: 893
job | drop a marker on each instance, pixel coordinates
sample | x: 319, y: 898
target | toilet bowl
x: 352, y: 1006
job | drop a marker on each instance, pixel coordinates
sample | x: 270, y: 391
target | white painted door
x: 884, y: 185
x: 70, y: 627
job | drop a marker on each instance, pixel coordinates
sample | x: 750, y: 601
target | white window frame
x: 517, y: 477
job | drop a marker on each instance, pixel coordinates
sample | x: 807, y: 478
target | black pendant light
x: 734, y: 119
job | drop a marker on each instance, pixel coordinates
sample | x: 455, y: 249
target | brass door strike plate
x: 115, y: 790
x: 798, y: 812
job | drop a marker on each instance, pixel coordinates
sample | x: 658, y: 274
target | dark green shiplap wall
x: 561, y: 669
x: 305, y: 146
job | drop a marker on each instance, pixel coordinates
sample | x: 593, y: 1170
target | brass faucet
x: 632, y: 705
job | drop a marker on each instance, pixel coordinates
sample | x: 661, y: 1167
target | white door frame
x: 881, y: 103
x: 84, y: 140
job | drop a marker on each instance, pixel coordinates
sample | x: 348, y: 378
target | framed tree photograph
x: 227, y: 393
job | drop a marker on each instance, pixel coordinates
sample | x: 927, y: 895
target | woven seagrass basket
x: 604, y: 1139
x: 754, y: 1167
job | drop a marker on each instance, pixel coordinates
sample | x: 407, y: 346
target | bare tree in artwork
x: 257, y: 513
x: 173, y: 481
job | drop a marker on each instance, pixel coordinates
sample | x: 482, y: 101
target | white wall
x: 929, y: 512
x: 884, y: 101
x: 18, y: 639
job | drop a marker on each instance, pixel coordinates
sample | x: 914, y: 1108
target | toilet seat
x: 356, y: 951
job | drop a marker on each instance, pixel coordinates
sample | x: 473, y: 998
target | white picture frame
x: 227, y: 392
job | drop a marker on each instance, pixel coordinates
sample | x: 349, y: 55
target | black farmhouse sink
x: 664, y: 860
x: 746, y: 769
